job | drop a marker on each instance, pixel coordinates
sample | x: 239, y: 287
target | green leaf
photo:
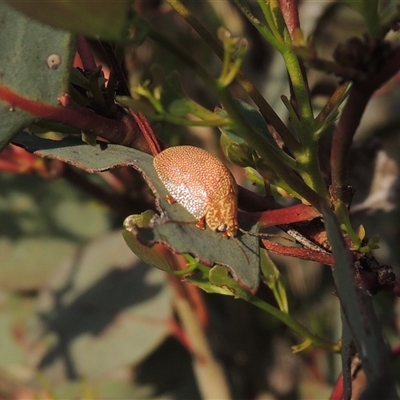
x: 26, y: 49
x: 373, y: 242
x: 255, y: 178
x: 272, y: 278
x: 219, y: 276
x: 202, y: 280
x: 106, y: 19
x: 239, y: 254
x: 89, y: 138
x: 149, y: 255
x: 177, y: 227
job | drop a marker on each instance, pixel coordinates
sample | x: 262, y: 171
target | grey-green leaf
x: 28, y: 50
x: 176, y: 227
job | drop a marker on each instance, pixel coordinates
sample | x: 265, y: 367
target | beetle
x: 202, y: 184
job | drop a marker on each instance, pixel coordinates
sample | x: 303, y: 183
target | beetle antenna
x: 307, y: 243
x: 256, y: 234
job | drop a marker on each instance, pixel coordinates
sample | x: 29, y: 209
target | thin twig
x: 147, y: 132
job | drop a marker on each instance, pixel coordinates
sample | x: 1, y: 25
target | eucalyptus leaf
x: 148, y: 254
x: 202, y: 281
x: 175, y: 227
x: 26, y: 48
x: 219, y: 276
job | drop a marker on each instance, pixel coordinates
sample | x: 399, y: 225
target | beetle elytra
x: 202, y: 184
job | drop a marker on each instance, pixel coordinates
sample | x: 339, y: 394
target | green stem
x: 342, y: 214
x: 301, y: 93
x: 264, y: 30
x: 288, y: 320
x: 307, y: 154
x: 309, y: 168
x: 280, y: 33
x: 294, y: 70
x: 271, y: 20
x: 283, y: 316
x: 266, y: 110
x: 307, y: 157
x: 191, y: 267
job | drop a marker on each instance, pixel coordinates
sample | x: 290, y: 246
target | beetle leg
x: 201, y: 223
x: 170, y: 199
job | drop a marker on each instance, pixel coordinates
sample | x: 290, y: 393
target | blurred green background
x: 82, y: 317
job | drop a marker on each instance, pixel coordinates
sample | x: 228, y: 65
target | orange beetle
x: 202, y: 184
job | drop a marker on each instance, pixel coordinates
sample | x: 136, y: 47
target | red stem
x: 147, y: 132
x: 298, y: 252
x: 337, y: 392
x: 290, y: 14
x: 124, y: 131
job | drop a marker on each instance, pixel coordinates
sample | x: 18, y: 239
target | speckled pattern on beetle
x: 202, y: 184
